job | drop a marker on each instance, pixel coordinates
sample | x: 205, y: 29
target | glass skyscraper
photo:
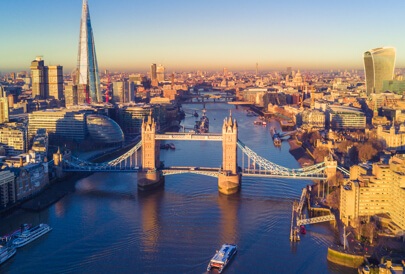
x: 87, y: 68
x: 379, y: 65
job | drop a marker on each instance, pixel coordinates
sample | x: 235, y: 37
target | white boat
x: 6, y: 253
x: 222, y: 257
x: 31, y: 234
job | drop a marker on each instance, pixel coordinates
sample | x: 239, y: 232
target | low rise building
x: 7, y: 189
x: 13, y: 138
x: 394, y: 139
x: 342, y: 118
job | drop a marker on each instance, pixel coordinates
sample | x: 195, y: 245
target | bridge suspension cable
x: 83, y: 164
x: 271, y: 169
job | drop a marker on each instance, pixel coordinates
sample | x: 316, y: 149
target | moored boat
x: 303, y: 229
x: 31, y: 234
x: 172, y: 146
x: 15, y: 233
x: 6, y: 252
x: 222, y: 257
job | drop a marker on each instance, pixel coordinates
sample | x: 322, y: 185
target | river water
x: 108, y: 226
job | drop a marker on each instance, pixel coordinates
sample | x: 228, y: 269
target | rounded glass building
x: 104, y: 130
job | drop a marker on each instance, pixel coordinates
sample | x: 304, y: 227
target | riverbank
x: 60, y: 187
x: 299, y: 153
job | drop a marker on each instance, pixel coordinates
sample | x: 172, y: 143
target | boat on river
x: 15, y: 233
x: 31, y: 234
x: 202, y: 126
x: 6, y: 252
x: 222, y: 257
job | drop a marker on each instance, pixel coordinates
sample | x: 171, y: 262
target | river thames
x: 108, y: 226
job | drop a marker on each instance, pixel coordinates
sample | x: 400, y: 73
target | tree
x: 337, y: 180
x: 353, y: 155
x: 333, y: 199
x: 376, y: 143
x: 314, y: 136
x: 320, y: 153
x: 369, y: 231
x: 367, y: 152
x: 342, y: 146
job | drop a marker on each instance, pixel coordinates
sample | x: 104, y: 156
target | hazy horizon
x: 208, y: 35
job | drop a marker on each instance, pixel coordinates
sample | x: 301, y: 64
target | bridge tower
x: 229, y: 178
x: 331, y: 167
x: 150, y: 176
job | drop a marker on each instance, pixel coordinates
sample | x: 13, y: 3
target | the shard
x: 87, y: 68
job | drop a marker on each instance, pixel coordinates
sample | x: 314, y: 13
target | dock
x: 298, y: 218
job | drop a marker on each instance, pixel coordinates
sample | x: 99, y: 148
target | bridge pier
x: 150, y: 179
x: 229, y: 183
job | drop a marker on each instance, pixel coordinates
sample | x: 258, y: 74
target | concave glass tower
x: 87, y: 68
x: 379, y: 65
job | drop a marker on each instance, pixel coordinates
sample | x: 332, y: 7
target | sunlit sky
x: 202, y: 35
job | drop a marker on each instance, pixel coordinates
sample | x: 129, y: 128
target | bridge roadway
x: 208, y: 171
x: 189, y: 136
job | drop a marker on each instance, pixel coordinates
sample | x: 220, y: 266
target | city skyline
x: 209, y: 35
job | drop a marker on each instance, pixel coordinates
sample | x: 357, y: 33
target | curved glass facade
x: 379, y: 65
x: 104, y: 130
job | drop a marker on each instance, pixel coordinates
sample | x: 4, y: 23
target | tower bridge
x: 144, y: 158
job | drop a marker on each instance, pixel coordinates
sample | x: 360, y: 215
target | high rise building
x: 38, y: 76
x: 46, y: 80
x: 87, y: 68
x: 4, y: 111
x: 160, y: 73
x: 379, y: 65
x: 55, y: 82
x: 153, y: 72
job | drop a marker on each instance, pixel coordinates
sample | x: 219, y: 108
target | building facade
x: 312, y: 118
x: 14, y: 139
x: 379, y: 65
x: 393, y: 138
x: 55, y: 82
x: 7, y: 189
x: 46, y: 80
x: 38, y: 76
x: 61, y: 124
x: 341, y: 117
x: 381, y: 192
x: 4, y: 106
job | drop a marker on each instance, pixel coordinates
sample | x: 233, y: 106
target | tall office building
x: 38, y: 77
x: 46, y: 80
x: 55, y: 82
x: 88, y: 79
x: 379, y: 65
x: 153, y: 72
x: 4, y: 111
x: 160, y: 73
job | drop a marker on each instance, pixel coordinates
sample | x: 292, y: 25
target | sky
x: 185, y: 35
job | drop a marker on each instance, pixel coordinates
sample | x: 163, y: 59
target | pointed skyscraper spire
x: 87, y: 67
